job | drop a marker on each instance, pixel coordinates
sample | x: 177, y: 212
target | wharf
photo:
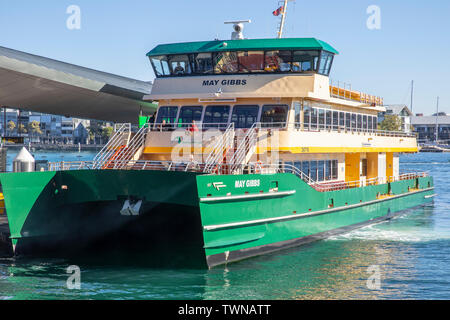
x: 5, y: 241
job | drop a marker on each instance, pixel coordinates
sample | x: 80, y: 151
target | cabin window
x: 335, y: 120
x: 354, y: 121
x: 274, y: 116
x: 306, y: 117
x: 160, y: 65
x: 348, y: 121
x: 365, y: 124
x: 179, y: 65
x: 298, y: 111
x: 370, y: 124
x: 244, y: 116
x: 326, y: 59
x: 203, y: 63
x: 278, y: 61
x: 216, y: 116
x: 334, y: 169
x: 251, y: 61
x: 375, y: 123
x: 359, y: 123
x: 313, y: 170
x: 313, y: 118
x: 321, y: 118
x: 188, y: 115
x: 305, y: 61
x: 321, y: 171
x: 341, y: 120
x: 329, y: 119
x: 167, y: 115
x: 226, y: 62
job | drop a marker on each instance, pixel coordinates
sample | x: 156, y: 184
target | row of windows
x: 232, y: 62
x: 319, y: 118
x: 322, y: 170
x: 243, y: 116
x: 275, y: 116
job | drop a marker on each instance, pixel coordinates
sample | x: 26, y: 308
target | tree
x: 391, y: 123
x: 21, y: 128
x: 34, y: 127
x: 11, y: 126
x: 107, y: 132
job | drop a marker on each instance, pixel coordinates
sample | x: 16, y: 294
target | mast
x: 283, y: 19
x: 437, y: 117
x: 412, y: 94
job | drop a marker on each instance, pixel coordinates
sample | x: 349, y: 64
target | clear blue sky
x: 115, y: 35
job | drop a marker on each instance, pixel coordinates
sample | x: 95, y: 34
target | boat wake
x: 385, y: 232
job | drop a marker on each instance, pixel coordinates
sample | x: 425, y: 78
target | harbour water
x: 410, y: 254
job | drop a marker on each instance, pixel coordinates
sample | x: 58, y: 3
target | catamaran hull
x: 186, y: 217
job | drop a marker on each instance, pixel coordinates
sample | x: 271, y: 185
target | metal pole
x: 283, y: 18
x: 437, y: 116
x: 412, y: 94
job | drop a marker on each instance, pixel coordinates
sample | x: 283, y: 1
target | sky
x: 411, y: 43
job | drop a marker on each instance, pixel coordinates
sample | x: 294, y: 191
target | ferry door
x: 352, y: 167
x: 389, y: 166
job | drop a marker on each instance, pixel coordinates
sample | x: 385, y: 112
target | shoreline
x: 56, y: 147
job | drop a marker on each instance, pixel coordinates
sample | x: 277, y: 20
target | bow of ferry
x: 252, y: 150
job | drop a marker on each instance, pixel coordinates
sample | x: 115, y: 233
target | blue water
x: 412, y: 254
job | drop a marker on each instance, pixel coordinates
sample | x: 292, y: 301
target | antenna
x: 238, y: 27
x: 283, y: 16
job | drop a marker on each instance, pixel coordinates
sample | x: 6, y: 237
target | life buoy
x: 258, y: 166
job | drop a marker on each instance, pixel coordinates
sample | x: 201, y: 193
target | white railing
x: 246, y: 147
x: 221, y: 147
x: 128, y: 152
x: 115, y: 142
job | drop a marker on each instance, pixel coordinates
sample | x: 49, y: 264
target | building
x: 401, y: 111
x: 426, y: 127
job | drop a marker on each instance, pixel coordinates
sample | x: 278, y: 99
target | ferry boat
x: 252, y: 150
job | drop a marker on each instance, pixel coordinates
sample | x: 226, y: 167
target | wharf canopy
x: 296, y: 55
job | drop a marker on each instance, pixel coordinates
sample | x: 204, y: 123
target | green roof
x: 242, y: 45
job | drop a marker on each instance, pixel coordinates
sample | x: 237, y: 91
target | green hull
x: 210, y: 219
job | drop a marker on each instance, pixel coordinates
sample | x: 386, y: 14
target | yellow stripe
x: 295, y: 150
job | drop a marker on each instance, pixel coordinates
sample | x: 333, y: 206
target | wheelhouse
x: 296, y: 56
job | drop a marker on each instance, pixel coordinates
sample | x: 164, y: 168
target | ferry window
x: 304, y: 61
x: 328, y: 170
x: 203, y: 63
x: 313, y: 170
x: 306, y: 116
x: 342, y: 119
x: 225, y: 62
x: 216, y: 115
x: 244, y: 116
x: 305, y: 168
x: 189, y: 114
x: 370, y: 125
x: 359, y: 124
x: 321, y: 118
x: 320, y: 171
x: 278, y: 61
x: 335, y: 119
x: 353, y: 121
x: 365, y: 127
x: 251, y: 61
x: 298, y: 110
x: 375, y: 123
x: 314, y: 118
x: 325, y: 63
x: 348, y: 122
x: 160, y: 66
x: 329, y: 119
x: 334, y: 170
x: 167, y: 114
x: 274, y: 116
x: 179, y: 64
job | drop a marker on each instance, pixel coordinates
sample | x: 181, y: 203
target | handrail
x: 247, y: 144
x: 223, y: 144
x: 114, y: 142
x: 133, y: 146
